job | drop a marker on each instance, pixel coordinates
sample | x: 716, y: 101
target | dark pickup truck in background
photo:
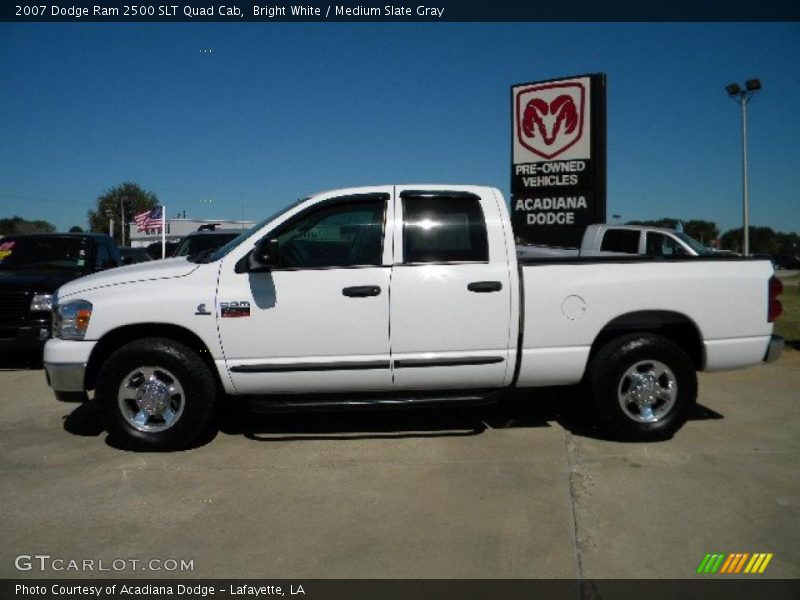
x: 32, y: 268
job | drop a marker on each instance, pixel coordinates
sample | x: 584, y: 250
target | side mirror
x: 265, y: 255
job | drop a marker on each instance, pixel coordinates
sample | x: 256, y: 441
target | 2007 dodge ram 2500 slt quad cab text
x: 395, y: 295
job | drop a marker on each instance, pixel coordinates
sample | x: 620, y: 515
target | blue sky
x: 276, y: 111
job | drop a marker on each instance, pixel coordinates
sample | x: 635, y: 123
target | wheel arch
x: 116, y: 338
x: 676, y: 327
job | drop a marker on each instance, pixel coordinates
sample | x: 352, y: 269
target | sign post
x: 558, y: 148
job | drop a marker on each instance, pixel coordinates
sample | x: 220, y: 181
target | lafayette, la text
x: 146, y: 589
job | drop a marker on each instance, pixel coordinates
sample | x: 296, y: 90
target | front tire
x: 642, y: 387
x: 156, y: 394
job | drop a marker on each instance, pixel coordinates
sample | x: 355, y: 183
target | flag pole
x: 163, y: 232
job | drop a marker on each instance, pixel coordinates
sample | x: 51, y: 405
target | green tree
x: 76, y: 229
x: 763, y: 240
x: 704, y: 232
x: 19, y: 225
x: 135, y: 200
x: 788, y: 243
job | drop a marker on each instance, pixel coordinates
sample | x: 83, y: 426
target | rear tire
x: 642, y: 387
x: 156, y: 394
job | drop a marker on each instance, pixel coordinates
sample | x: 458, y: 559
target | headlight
x: 71, y: 319
x: 42, y: 302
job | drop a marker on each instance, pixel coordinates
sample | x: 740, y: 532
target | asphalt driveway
x: 520, y: 490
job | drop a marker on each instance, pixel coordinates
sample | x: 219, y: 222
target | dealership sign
x: 558, y: 159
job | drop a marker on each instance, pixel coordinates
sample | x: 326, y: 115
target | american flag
x: 149, y: 219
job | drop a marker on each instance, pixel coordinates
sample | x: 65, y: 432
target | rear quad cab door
x: 451, y: 297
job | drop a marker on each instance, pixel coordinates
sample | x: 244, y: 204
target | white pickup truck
x: 612, y: 240
x: 402, y: 295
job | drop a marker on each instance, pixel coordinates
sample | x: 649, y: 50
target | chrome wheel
x: 151, y: 399
x: 647, y: 391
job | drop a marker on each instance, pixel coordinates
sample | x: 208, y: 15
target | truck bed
x: 568, y: 302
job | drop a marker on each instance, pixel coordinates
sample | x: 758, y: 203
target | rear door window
x: 621, y: 240
x: 443, y: 229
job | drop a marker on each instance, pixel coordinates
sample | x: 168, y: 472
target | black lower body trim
x: 407, y: 363
x: 293, y: 367
x: 403, y: 363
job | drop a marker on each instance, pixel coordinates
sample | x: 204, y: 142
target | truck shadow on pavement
x: 85, y: 420
x: 528, y: 408
x: 443, y: 421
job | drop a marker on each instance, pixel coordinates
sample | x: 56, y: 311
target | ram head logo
x: 550, y: 117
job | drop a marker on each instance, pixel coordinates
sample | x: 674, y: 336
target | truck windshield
x: 44, y: 252
x: 693, y: 243
x: 224, y: 250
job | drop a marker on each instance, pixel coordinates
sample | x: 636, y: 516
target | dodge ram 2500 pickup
x: 402, y: 295
x: 612, y: 240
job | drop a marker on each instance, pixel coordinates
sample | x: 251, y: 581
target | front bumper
x: 65, y: 364
x: 774, y: 349
x: 68, y: 377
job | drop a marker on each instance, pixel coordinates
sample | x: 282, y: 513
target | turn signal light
x: 82, y: 318
x: 775, y: 306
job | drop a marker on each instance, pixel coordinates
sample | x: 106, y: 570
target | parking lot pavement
x: 519, y: 490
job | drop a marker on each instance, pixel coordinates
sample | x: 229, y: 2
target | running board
x: 333, y: 402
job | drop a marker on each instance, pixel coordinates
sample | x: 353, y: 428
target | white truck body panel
x: 302, y: 316
x: 567, y: 305
x: 144, y: 271
x: 168, y: 293
x: 734, y: 353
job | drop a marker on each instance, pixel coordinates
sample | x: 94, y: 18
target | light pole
x: 110, y: 216
x: 122, y: 201
x: 742, y: 97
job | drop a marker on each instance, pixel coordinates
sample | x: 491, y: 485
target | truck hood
x: 147, y: 271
